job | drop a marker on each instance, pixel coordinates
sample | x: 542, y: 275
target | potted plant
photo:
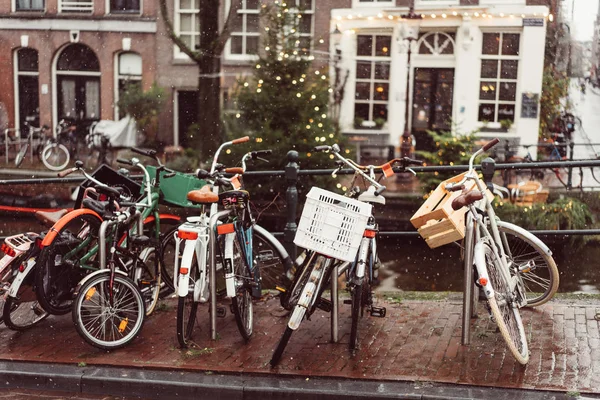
x: 358, y: 122
x: 506, y: 124
x: 379, y: 122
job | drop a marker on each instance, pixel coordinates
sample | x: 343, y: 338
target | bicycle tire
x: 55, y: 156
x: 21, y: 155
x: 541, y: 282
x: 104, y: 325
x: 23, y: 311
x: 56, y: 278
x: 8, y: 275
x: 241, y: 303
x: 356, y: 311
x: 271, y: 259
x: 186, y: 310
x: 506, y: 314
x: 290, y: 298
x: 167, y: 255
x: 148, y: 278
x: 285, y: 338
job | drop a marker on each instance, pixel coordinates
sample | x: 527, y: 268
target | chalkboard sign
x: 529, y: 105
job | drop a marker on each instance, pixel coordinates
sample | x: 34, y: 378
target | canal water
x: 409, y: 264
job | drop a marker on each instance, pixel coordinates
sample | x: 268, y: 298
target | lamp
x: 336, y: 36
x: 338, y: 83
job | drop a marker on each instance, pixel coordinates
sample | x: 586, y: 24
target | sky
x: 583, y: 13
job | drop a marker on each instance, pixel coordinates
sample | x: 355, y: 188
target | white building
x: 471, y: 67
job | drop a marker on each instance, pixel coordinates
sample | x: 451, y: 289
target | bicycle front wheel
x: 104, y: 323
x: 357, y: 308
x: 504, y: 310
x: 271, y: 259
x: 21, y: 155
x: 23, y: 311
x: 241, y: 303
x: 537, y: 268
x: 55, y: 156
x: 148, y: 277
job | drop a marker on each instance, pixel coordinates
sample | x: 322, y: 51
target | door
x: 188, y: 115
x: 432, y: 101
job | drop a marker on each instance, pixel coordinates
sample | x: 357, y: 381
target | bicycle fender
x: 161, y: 217
x: 51, y: 235
x: 296, y: 318
x: 16, y: 284
x: 228, y: 265
x: 93, y: 274
x: 186, y: 262
x: 529, y: 235
x: 479, y: 260
x: 362, y: 258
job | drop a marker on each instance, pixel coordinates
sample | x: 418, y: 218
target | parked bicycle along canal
x: 410, y: 265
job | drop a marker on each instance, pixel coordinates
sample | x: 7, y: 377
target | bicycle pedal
x: 324, y: 305
x: 347, y: 301
x: 378, y: 311
x: 221, y: 311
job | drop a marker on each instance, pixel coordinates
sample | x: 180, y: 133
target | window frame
x: 498, y: 80
x: 374, y: 59
x: 109, y: 10
x: 244, y: 12
x: 177, y: 53
x: 18, y: 73
x: 32, y: 10
x: 124, y: 77
x: 373, y: 3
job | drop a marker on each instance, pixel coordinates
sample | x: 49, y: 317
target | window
x: 129, y: 72
x: 367, y: 3
x: 29, y: 5
x: 305, y: 12
x: 75, y: 6
x: 125, y: 6
x: 27, y: 87
x: 187, y: 24
x: 498, y: 79
x: 436, y: 43
x: 245, y: 34
x: 372, y: 78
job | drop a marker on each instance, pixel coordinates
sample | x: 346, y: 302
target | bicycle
x: 56, y: 154
x: 339, y: 231
x: 247, y: 254
x: 33, y: 134
x: 497, y: 273
x: 70, y: 249
x: 98, y: 147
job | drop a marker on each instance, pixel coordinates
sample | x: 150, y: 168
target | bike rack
x: 468, y: 309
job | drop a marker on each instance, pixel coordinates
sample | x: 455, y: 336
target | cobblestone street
x: 419, y: 341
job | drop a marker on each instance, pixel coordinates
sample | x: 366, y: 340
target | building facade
x: 474, y: 64
x: 66, y: 59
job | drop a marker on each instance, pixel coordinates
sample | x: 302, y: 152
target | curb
x: 153, y: 384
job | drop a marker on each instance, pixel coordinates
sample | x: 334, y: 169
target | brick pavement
x: 417, y: 341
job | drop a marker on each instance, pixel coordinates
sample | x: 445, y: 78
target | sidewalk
x: 416, y: 350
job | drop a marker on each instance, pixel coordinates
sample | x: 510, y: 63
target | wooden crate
x: 436, y: 221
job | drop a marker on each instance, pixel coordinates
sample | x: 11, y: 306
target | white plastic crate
x: 332, y: 224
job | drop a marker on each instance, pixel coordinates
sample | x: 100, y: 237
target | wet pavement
x: 419, y: 342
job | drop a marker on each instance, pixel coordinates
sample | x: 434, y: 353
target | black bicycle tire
x: 300, y: 277
x: 185, y: 326
x: 285, y: 338
x: 166, y: 258
x: 45, y: 258
x: 77, y: 313
x: 242, y: 301
x: 273, y: 271
x: 356, y: 311
x: 8, y: 315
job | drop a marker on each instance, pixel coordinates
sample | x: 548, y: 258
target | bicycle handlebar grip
x: 262, y: 152
x: 240, y: 140
x: 66, y: 172
x: 109, y: 191
x: 412, y: 161
x: 124, y: 161
x: 202, y: 174
x: 380, y: 190
x: 234, y: 170
x: 491, y: 144
x: 142, y: 152
x: 169, y: 175
x: 322, y: 148
x: 454, y: 188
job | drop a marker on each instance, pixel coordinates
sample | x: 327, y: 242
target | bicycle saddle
x: 203, y: 195
x: 101, y: 207
x: 49, y: 218
x: 466, y: 198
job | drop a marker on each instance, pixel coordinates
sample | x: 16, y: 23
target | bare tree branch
x: 226, y: 30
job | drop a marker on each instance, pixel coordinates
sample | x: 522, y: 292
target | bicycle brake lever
x: 411, y: 171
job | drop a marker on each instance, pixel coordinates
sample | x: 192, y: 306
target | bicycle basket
x: 111, y: 177
x: 332, y: 224
x: 174, y: 190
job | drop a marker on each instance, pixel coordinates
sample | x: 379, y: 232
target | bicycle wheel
x: 59, y: 268
x: 540, y: 274
x: 148, y: 277
x: 271, y: 259
x: 21, y: 155
x: 505, y: 312
x: 186, y: 310
x: 285, y: 338
x: 241, y: 303
x: 357, y: 309
x: 291, y: 296
x: 104, y: 324
x: 23, y: 311
x: 167, y: 255
x: 55, y: 156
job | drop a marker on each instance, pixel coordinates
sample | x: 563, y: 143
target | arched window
x: 27, y: 87
x: 436, y: 43
x: 78, y: 80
